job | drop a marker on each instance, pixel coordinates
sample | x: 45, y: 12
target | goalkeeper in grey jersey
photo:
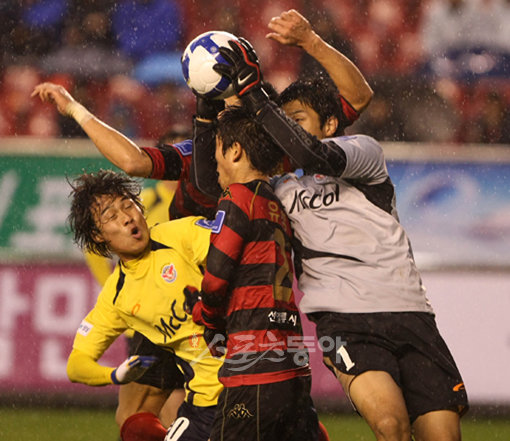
x: 360, y: 283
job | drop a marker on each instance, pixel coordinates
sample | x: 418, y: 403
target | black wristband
x: 255, y: 99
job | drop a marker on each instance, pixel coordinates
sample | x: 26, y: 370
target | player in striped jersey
x: 247, y: 296
x: 360, y: 282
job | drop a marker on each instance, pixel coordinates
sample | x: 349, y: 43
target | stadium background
x: 441, y: 108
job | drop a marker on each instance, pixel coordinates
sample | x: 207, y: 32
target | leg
x: 380, y: 402
x: 440, y: 425
x: 168, y: 412
x: 135, y: 398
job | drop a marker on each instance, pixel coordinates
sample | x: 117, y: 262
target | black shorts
x: 164, y: 374
x: 407, y: 345
x: 193, y: 423
x: 276, y: 411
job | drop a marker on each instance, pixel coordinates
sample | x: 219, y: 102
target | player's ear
x: 237, y: 151
x: 330, y: 126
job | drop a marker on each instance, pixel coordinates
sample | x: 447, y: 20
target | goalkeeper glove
x: 192, y: 297
x: 216, y: 341
x: 243, y: 70
x: 132, y: 368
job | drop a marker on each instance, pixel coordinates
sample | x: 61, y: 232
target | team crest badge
x: 194, y: 340
x: 169, y: 273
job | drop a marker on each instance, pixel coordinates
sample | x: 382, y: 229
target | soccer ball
x: 198, y: 60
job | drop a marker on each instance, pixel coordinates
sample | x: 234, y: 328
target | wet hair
x: 236, y: 124
x: 85, y: 190
x: 320, y: 94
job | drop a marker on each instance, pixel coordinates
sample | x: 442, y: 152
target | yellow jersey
x: 146, y: 295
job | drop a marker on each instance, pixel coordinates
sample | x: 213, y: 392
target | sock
x: 323, y: 433
x: 143, y: 426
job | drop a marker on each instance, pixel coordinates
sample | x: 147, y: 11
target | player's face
x: 122, y: 226
x: 305, y: 116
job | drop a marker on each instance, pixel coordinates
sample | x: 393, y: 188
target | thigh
x: 356, y: 343
x: 136, y: 398
x: 441, y: 425
x: 379, y: 400
x: 430, y: 378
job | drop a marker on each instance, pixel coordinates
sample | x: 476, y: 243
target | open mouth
x: 135, y: 231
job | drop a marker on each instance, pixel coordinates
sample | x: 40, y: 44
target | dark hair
x: 236, y: 124
x: 318, y: 93
x: 86, y: 188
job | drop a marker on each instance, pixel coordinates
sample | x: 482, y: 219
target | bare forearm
x: 117, y: 148
x: 112, y: 144
x: 347, y: 77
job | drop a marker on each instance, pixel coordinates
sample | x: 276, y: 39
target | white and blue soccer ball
x: 197, y: 61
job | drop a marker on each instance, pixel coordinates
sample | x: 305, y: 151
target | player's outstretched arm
x: 113, y: 145
x: 291, y: 28
x: 82, y: 368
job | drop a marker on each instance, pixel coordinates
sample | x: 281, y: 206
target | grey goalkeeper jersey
x: 355, y: 255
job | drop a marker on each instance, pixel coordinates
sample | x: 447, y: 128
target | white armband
x: 80, y: 114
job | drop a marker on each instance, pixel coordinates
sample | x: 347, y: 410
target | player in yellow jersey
x: 148, y: 394
x: 144, y: 293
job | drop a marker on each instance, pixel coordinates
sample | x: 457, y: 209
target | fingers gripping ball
x: 197, y: 61
x: 242, y: 66
x: 132, y: 368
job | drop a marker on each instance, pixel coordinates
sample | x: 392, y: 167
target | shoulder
x: 173, y: 231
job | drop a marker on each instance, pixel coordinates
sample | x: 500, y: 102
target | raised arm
x: 113, y: 145
x: 292, y: 29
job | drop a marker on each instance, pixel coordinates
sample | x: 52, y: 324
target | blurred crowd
x: 440, y: 69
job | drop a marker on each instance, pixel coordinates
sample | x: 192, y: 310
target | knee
x: 392, y: 428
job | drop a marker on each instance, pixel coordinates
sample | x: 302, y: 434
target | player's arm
x: 113, y: 145
x: 82, y: 368
x: 203, y: 163
x: 306, y: 150
x: 291, y: 28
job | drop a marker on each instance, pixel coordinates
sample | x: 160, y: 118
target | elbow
x: 364, y: 99
x: 71, y: 373
x: 135, y: 167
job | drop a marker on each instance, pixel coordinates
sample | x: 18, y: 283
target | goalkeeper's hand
x: 132, y: 368
x: 216, y: 341
x: 192, y: 297
x: 243, y: 70
x: 208, y: 109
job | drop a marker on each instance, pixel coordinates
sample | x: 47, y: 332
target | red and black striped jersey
x: 248, y: 282
x: 172, y: 163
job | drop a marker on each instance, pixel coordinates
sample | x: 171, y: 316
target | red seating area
x: 383, y: 35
